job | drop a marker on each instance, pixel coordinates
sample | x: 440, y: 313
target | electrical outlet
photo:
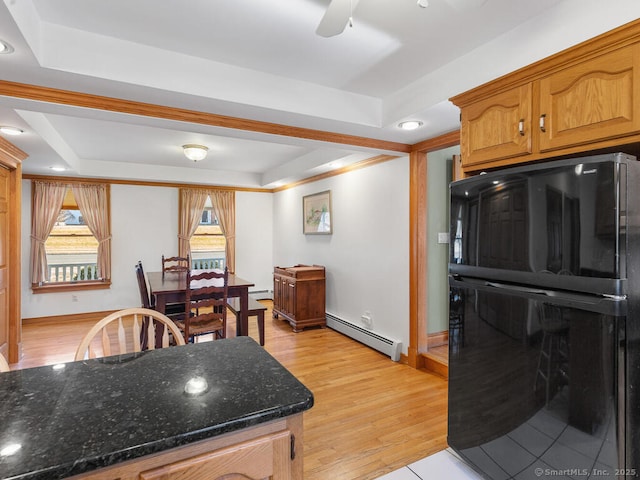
x: 367, y: 321
x: 443, y: 237
x: 74, y: 298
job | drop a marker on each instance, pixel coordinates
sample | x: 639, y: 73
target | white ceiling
x: 262, y: 60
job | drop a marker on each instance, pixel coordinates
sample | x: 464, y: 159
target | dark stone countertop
x: 95, y: 413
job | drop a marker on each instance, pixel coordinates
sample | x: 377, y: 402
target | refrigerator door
x: 562, y: 224
x: 536, y: 380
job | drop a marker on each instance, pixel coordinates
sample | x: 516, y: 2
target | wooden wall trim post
x: 11, y: 158
x: 417, y: 253
x: 418, y: 321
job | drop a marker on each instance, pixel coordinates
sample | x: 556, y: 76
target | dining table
x: 171, y: 287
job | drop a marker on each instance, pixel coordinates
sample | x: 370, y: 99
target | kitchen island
x: 202, y: 410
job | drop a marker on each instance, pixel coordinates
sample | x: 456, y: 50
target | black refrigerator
x: 544, y: 328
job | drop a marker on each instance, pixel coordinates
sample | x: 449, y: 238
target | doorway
x: 434, y: 341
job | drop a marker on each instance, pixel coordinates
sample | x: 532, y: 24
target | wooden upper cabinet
x: 497, y: 127
x: 583, y: 99
x: 591, y: 101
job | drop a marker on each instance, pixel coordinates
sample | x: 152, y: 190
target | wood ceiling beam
x: 111, y: 104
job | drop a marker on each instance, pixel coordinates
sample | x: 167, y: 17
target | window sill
x: 70, y: 286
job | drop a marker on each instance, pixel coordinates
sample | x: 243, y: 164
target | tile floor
x: 444, y: 464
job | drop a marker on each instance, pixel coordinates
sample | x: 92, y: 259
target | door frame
x: 418, y: 210
x: 11, y: 158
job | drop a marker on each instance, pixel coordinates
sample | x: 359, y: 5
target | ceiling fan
x: 339, y: 14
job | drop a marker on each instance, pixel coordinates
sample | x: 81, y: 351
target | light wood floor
x: 441, y: 352
x: 371, y: 415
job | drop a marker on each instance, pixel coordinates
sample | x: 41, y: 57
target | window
x: 70, y: 236
x: 208, y: 242
x: 72, y: 250
x: 207, y: 227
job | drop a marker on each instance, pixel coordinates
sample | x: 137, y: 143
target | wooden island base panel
x: 299, y: 295
x: 140, y: 416
x: 263, y: 451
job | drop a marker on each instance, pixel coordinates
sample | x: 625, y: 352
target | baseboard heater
x: 385, y: 345
x: 261, y: 294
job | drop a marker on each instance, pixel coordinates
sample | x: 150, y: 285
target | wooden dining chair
x: 126, y: 331
x: 4, y: 365
x: 171, y: 310
x: 175, y: 264
x: 206, y: 305
x: 145, y: 298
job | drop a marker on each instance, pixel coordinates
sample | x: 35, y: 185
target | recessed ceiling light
x: 410, y: 125
x: 58, y: 169
x: 11, y: 130
x: 5, y: 47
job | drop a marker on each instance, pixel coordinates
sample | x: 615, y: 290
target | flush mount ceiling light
x: 195, y: 152
x: 5, y: 47
x: 423, y: 3
x: 7, y: 130
x: 410, y: 125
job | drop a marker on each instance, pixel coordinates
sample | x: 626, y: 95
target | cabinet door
x: 266, y: 457
x: 497, y: 127
x: 595, y: 100
x: 277, y: 292
x: 290, y: 288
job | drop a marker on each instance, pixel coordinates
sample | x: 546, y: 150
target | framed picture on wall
x: 316, y: 214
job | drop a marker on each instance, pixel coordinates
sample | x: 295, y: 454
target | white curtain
x: 92, y: 202
x: 192, y: 203
x: 224, y: 206
x: 47, y: 203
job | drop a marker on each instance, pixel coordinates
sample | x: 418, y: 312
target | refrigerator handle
x: 519, y: 288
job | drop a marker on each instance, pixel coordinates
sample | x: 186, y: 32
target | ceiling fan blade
x: 336, y: 17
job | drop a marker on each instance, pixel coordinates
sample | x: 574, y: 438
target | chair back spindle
x: 138, y: 336
x: 175, y: 264
x: 206, y: 304
x: 4, y: 365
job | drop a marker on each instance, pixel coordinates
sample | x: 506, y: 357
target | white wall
x: 254, y: 238
x: 144, y: 223
x: 367, y: 256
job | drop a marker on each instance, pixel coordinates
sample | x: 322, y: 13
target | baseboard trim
x: 437, y: 339
x: 58, y: 319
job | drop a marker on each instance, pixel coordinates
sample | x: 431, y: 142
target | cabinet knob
x: 521, y: 127
x: 543, y: 119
